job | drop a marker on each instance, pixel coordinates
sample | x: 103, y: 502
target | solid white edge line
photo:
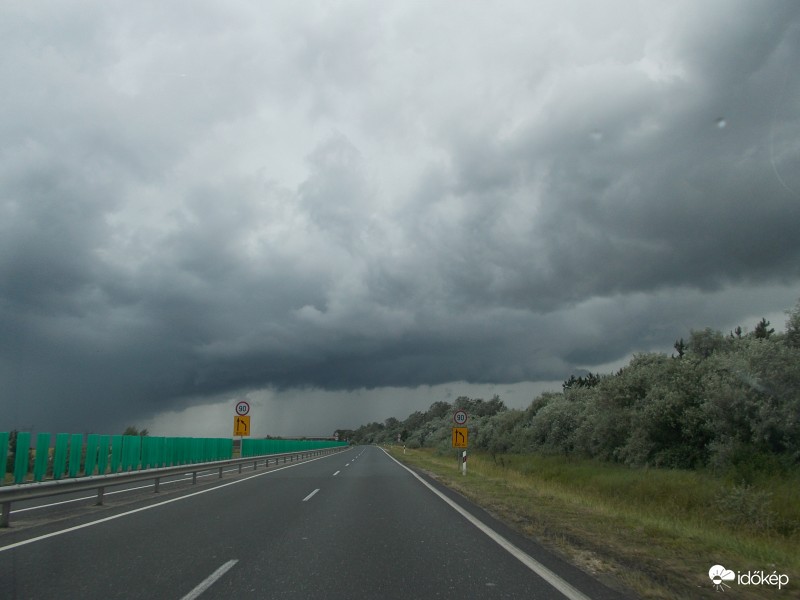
x: 209, y: 581
x: 311, y: 495
x: 335, y: 474
x: 534, y: 565
x: 143, y: 508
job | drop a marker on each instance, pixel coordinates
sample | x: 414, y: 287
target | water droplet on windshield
x: 597, y: 136
x: 721, y: 123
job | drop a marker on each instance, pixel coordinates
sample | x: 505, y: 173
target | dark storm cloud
x: 651, y: 189
x: 199, y: 203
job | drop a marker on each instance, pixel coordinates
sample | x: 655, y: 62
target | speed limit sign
x: 460, y: 417
x: 242, y: 408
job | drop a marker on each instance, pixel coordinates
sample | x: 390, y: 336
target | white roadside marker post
x: 464, y: 463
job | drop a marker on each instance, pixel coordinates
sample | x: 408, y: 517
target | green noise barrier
x: 42, y: 456
x: 116, y: 452
x: 75, y: 449
x: 3, y: 454
x: 22, y: 457
x: 131, y: 450
x: 73, y: 456
x: 60, y: 456
x: 262, y: 447
x: 103, y: 447
x: 90, y: 462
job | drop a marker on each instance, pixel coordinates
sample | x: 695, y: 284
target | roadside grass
x: 652, y: 532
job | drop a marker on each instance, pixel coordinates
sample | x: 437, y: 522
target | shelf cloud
x: 199, y: 202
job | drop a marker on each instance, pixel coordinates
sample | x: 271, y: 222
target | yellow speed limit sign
x: 460, y: 435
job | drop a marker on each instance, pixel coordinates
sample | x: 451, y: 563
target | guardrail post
x: 6, y: 514
x: 240, y: 467
x: 220, y: 472
x: 155, y: 487
x: 194, y: 477
x: 100, y: 493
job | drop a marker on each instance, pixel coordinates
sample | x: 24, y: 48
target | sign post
x: 461, y: 438
x: 241, y: 422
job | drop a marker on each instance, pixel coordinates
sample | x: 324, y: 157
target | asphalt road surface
x: 351, y: 525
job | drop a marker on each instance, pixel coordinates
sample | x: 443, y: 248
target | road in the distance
x: 349, y: 525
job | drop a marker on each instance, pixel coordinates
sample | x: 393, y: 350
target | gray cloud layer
x: 196, y: 200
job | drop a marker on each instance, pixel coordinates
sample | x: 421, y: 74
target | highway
x: 351, y: 525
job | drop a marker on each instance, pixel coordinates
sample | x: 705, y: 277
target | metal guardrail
x: 31, y: 491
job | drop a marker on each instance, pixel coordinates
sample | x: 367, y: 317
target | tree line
x: 720, y: 402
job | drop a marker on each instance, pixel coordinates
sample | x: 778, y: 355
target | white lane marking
x: 310, y: 496
x: 534, y: 565
x: 157, y: 504
x: 209, y: 581
x: 347, y: 465
x: 337, y: 472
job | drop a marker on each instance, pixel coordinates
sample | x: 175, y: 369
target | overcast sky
x: 345, y: 211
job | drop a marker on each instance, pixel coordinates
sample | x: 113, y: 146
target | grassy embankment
x: 653, y: 532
